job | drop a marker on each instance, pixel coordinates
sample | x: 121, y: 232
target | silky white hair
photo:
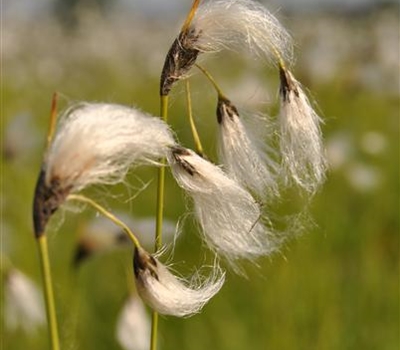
x: 98, y: 142
x: 23, y: 303
x: 133, y: 325
x: 244, y: 153
x: 230, y: 218
x: 233, y: 24
x: 170, y: 295
x: 303, y: 155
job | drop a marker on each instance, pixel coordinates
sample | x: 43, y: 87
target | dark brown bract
x: 180, y: 58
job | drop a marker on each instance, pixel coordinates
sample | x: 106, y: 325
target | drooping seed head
x: 301, y: 137
x: 168, y: 294
x: 243, y: 150
x: 238, y: 25
x: 231, y: 220
x: 96, y: 143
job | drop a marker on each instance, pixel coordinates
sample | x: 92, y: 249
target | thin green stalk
x: 159, y: 218
x: 213, y: 82
x: 196, y: 138
x: 107, y: 214
x: 48, y: 292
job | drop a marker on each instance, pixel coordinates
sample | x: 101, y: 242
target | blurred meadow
x: 336, y: 286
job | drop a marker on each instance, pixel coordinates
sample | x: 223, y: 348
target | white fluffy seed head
x: 168, y: 294
x: 230, y: 218
x: 133, y: 325
x: 23, y: 303
x: 303, y: 155
x: 238, y: 25
x: 98, y: 142
x: 244, y: 153
x: 235, y: 24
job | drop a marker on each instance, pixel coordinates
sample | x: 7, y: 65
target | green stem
x: 212, y: 81
x: 108, y: 215
x: 48, y: 292
x: 196, y: 138
x: 159, y: 218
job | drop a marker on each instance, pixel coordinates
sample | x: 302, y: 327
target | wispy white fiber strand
x: 230, y: 218
x: 170, y: 295
x: 235, y: 24
x: 303, y: 155
x: 99, y: 142
x: 244, y: 153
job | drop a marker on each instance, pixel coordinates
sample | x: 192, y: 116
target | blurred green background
x: 334, y: 287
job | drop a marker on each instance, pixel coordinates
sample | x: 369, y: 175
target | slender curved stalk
x: 196, y: 138
x: 212, y: 81
x: 48, y: 292
x: 107, y: 214
x: 159, y: 218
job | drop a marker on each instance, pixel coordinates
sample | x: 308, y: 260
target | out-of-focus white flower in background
x: 133, y: 325
x: 374, y: 143
x: 363, y: 177
x: 23, y: 307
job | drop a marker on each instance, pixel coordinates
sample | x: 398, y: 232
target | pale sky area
x: 22, y: 8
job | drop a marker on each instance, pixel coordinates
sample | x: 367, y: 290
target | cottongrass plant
x: 243, y: 148
x: 169, y: 295
x: 245, y: 156
x: 303, y: 155
x: 97, y: 143
x: 230, y: 218
x: 214, y: 25
x: 133, y: 326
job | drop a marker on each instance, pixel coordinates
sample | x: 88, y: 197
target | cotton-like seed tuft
x: 244, y: 154
x: 23, y: 303
x: 96, y: 143
x: 238, y: 25
x: 168, y: 294
x: 230, y: 218
x: 301, y: 145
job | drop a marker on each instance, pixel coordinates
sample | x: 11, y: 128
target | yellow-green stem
x: 53, y: 120
x: 213, y: 82
x: 196, y: 138
x: 107, y: 214
x: 159, y: 218
x: 48, y: 292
